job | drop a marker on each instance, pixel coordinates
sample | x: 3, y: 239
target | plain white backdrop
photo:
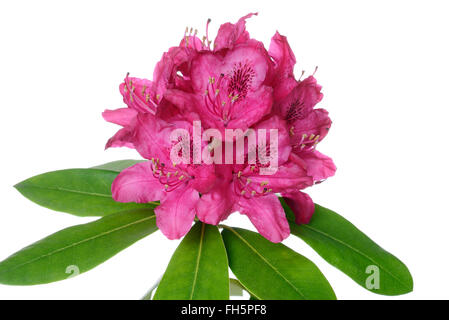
x: 384, y: 70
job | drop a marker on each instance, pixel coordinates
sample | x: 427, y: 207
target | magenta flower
x: 242, y: 188
x: 235, y: 84
x: 307, y: 126
x: 176, y: 186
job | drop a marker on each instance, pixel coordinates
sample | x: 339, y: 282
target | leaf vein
x: 355, y: 250
x: 78, y: 243
x: 266, y: 261
x: 197, y: 261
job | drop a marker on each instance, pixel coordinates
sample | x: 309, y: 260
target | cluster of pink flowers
x: 233, y: 84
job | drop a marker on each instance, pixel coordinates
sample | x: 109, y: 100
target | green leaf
x: 198, y: 269
x: 272, y: 271
x: 76, y: 249
x: 235, y: 288
x: 344, y: 246
x: 82, y: 192
x: 118, y: 166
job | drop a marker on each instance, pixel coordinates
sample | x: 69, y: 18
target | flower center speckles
x: 295, y: 111
x: 222, y: 93
x: 241, y: 78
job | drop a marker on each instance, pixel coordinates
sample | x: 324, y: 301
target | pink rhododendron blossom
x: 232, y: 83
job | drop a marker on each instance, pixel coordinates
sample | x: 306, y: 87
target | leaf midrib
x: 200, y: 248
x: 78, y: 243
x: 355, y: 250
x: 266, y: 261
x: 69, y: 190
x: 94, y: 194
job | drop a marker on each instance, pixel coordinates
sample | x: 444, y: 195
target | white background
x: 384, y: 70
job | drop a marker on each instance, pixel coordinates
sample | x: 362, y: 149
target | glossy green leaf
x: 272, y: 271
x: 76, y: 249
x: 198, y: 269
x: 82, y: 192
x: 344, y: 246
x: 118, y: 166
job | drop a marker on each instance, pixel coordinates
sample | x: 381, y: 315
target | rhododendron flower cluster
x: 233, y: 82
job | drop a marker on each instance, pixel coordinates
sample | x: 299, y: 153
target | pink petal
x: 204, y: 66
x: 137, y: 184
x: 138, y: 94
x: 254, y: 56
x: 284, y: 146
x: 175, y: 215
x: 216, y: 205
x: 251, y: 109
x: 185, y: 104
x: 122, y: 116
x: 191, y: 42
x: 164, y: 70
x: 152, y: 136
x: 316, y: 126
x: 122, y: 138
x: 301, y: 100
x: 289, y: 176
x: 204, y: 177
x: 301, y: 204
x: 267, y: 215
x: 230, y: 34
x: 282, y: 54
x: 318, y: 165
